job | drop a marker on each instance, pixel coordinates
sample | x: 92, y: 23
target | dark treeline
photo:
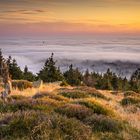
x: 51, y: 73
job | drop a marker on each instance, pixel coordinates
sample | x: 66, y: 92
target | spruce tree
x: 115, y: 82
x: 106, y: 80
x: 1, y: 58
x: 28, y: 75
x: 125, y: 84
x: 135, y: 81
x: 88, y: 79
x: 73, y: 76
x: 1, y: 61
x: 50, y: 73
x: 97, y: 80
x: 14, y: 70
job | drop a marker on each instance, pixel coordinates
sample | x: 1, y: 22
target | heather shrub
x: 18, y: 97
x: 92, y: 92
x: 114, y: 92
x: 74, y: 110
x: 15, y: 106
x: 74, y: 94
x: 130, y: 101
x: 41, y: 95
x: 50, y: 102
x: 50, y: 95
x: 96, y: 107
x: 22, y: 105
x: 17, y: 124
x: 111, y: 136
x: 21, y: 84
x: 98, y: 95
x: 40, y: 126
x: 130, y: 93
x: 132, y: 132
x: 102, y: 123
x: 64, y: 84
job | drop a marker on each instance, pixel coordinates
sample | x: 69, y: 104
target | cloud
x: 92, y: 2
x: 22, y: 11
x: 69, y: 2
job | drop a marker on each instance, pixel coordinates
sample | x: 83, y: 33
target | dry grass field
x: 70, y: 113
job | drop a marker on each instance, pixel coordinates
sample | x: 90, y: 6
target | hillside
x: 70, y: 113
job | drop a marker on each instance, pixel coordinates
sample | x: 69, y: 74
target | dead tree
x: 4, y: 78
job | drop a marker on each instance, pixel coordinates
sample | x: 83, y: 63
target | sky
x: 43, y: 17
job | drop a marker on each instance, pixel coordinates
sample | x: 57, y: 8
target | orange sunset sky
x: 41, y: 17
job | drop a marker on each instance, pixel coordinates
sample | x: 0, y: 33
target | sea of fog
x: 120, y: 53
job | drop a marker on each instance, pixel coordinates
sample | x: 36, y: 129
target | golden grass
x: 50, y: 95
x: 113, y: 104
x: 32, y: 91
x: 133, y: 118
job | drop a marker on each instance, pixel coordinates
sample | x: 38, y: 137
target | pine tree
x: 135, y: 81
x: 125, y: 84
x: 9, y: 63
x: 50, y: 73
x: 106, y: 83
x: 106, y: 80
x: 14, y: 70
x: 28, y: 75
x: 73, y: 76
x: 26, y: 70
x: 1, y: 58
x: 1, y: 61
x: 115, y: 82
x: 97, y: 80
x: 88, y: 79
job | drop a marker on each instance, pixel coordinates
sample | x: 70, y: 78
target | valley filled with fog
x: 120, y: 53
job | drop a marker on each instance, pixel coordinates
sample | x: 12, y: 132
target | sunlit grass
x: 96, y: 107
x: 79, y: 113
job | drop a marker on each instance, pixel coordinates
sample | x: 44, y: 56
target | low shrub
x: 74, y: 94
x: 130, y: 93
x: 41, y: 95
x: 130, y: 101
x: 96, y: 107
x: 92, y: 92
x: 40, y: 126
x: 97, y: 94
x: 132, y: 132
x: 74, y: 110
x: 49, y: 102
x: 64, y: 84
x: 18, y: 97
x: 102, y: 123
x: 114, y: 92
x: 21, y: 84
x: 22, y: 105
x: 111, y: 136
x: 14, y: 106
x: 50, y: 95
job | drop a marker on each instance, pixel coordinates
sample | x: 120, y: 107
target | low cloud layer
x: 82, y: 51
